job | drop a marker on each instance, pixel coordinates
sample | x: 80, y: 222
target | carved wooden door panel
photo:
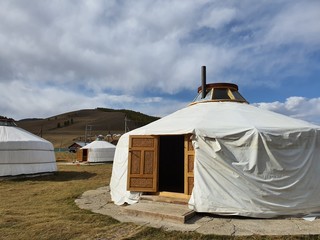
x: 143, y: 164
x: 188, y: 165
x: 79, y: 155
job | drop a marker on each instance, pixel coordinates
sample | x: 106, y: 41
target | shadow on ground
x: 61, y: 176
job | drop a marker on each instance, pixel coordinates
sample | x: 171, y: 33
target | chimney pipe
x: 203, y: 78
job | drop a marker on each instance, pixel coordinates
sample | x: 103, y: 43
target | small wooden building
x: 75, y: 146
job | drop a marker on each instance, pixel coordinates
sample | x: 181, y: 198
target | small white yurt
x: 22, y: 152
x: 99, y: 151
x: 224, y: 155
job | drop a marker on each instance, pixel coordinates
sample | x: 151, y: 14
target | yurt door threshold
x: 161, y: 165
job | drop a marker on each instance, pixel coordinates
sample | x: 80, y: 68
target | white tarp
x: 248, y: 161
x: 21, y: 152
x: 100, y: 151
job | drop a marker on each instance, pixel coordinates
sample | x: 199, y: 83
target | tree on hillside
x: 139, y: 118
x: 66, y: 123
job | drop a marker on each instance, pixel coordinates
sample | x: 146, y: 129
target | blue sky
x: 60, y: 56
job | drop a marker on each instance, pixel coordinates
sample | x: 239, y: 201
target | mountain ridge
x: 64, y: 129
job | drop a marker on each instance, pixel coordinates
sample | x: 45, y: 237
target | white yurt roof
x: 248, y: 161
x: 224, y: 117
x: 99, y: 144
x: 22, y: 152
x: 100, y: 151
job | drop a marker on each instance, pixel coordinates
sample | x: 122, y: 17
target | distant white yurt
x: 22, y: 152
x: 226, y: 156
x: 99, y: 151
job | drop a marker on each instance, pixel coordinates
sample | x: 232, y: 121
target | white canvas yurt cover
x: 22, y: 152
x: 100, y: 151
x: 247, y: 161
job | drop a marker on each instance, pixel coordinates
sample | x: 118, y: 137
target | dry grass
x: 65, y: 156
x: 44, y: 208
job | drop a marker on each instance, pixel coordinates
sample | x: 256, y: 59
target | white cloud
x: 298, y: 23
x: 216, y: 18
x: 96, y: 52
x: 297, y: 107
x: 44, y: 101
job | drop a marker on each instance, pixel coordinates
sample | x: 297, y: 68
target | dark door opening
x: 171, y: 163
x: 85, y: 155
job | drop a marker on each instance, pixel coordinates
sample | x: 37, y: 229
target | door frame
x: 143, y: 165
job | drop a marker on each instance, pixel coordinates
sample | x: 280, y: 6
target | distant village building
x: 75, y: 146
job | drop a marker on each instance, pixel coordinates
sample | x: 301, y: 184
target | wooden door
x: 143, y: 164
x: 82, y: 154
x: 188, y: 164
x: 79, y: 155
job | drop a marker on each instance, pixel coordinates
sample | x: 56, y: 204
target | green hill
x: 62, y: 130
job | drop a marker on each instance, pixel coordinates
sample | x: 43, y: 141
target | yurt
x: 225, y: 156
x: 98, y: 151
x: 22, y: 152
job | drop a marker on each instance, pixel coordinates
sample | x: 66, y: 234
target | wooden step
x: 160, y: 210
x: 157, y: 198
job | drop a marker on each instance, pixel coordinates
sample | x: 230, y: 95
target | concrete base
x: 99, y: 201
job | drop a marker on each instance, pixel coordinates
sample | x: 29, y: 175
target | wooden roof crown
x: 220, y: 92
x: 217, y: 92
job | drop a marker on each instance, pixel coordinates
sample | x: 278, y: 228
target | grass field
x: 43, y: 208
